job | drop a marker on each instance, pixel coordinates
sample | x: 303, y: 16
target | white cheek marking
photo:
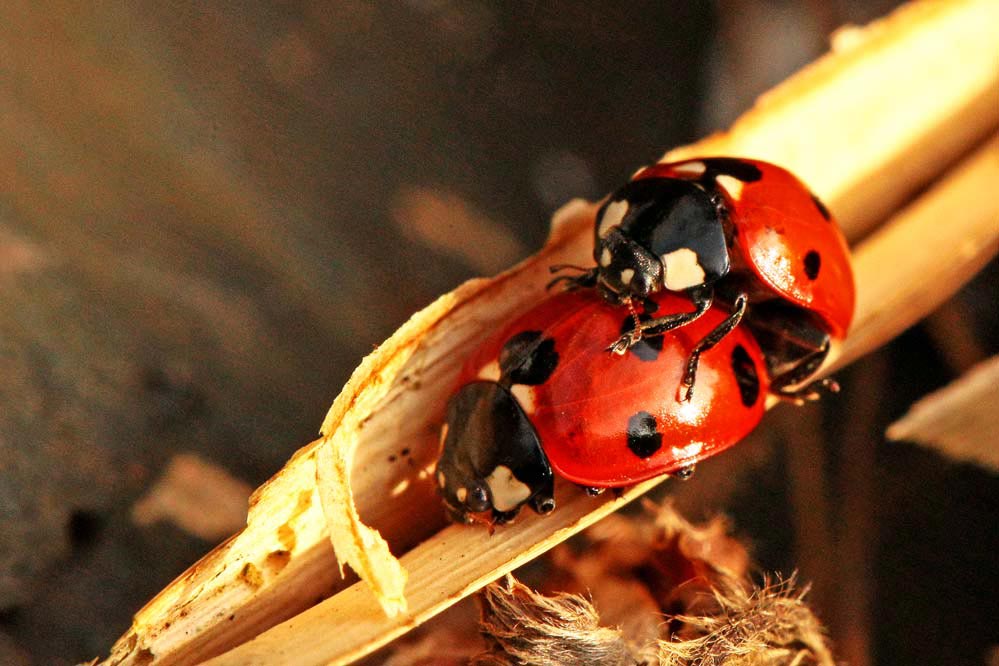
x: 682, y: 269
x: 441, y: 481
x: 605, y: 258
x: 461, y: 494
x: 525, y: 396
x: 691, y: 169
x: 613, y: 214
x: 508, y: 493
x: 490, y: 372
x: 732, y: 185
x: 626, y: 275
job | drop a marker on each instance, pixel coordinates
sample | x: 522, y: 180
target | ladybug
x: 744, y: 232
x: 542, y: 397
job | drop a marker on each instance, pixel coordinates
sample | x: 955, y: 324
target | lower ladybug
x: 542, y: 396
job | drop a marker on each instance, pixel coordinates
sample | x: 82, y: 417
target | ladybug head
x: 659, y: 233
x: 491, y: 459
x: 625, y: 269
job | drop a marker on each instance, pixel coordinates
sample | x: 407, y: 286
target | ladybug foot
x: 684, y: 473
x: 625, y: 342
x: 686, y: 391
x: 810, y: 393
x: 504, y: 517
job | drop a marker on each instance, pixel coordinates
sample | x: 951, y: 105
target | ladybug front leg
x: 702, y: 298
x: 709, y: 341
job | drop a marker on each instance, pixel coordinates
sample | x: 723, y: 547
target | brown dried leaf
x: 198, y: 497
x: 709, y: 548
x: 453, y: 226
x: 958, y: 421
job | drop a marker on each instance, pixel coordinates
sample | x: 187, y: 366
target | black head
x: 626, y: 270
x: 659, y: 233
x: 491, y: 459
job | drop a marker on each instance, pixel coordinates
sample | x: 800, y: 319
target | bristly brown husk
x: 697, y: 605
x: 766, y: 626
x: 524, y: 627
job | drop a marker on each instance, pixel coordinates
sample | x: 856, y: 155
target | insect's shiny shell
x: 784, y: 235
x: 611, y: 420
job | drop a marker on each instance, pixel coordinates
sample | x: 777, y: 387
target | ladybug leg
x: 709, y: 341
x: 799, y: 373
x: 684, y: 473
x: 702, y: 298
x: 795, y: 346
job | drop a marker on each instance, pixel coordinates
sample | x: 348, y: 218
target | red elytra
x: 782, y: 231
x: 607, y: 420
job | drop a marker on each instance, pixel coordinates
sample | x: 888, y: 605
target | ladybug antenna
x: 566, y: 267
x: 586, y: 278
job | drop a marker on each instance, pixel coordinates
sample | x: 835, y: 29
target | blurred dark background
x: 210, y: 212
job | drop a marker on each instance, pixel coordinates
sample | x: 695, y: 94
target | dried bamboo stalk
x: 818, y: 124
x: 459, y: 560
x: 941, y: 240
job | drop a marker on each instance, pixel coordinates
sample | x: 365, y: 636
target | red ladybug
x: 543, y: 396
x: 744, y: 231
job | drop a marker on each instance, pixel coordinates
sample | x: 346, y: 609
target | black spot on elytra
x: 745, y: 375
x: 647, y: 349
x: 822, y: 207
x: 643, y: 438
x: 528, y: 358
x: 813, y: 262
x: 730, y: 166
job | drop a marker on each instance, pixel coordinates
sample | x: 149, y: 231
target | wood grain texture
x: 871, y: 87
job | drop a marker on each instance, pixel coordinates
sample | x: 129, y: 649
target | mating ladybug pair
x: 729, y: 255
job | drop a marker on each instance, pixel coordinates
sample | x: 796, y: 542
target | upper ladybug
x: 744, y: 231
